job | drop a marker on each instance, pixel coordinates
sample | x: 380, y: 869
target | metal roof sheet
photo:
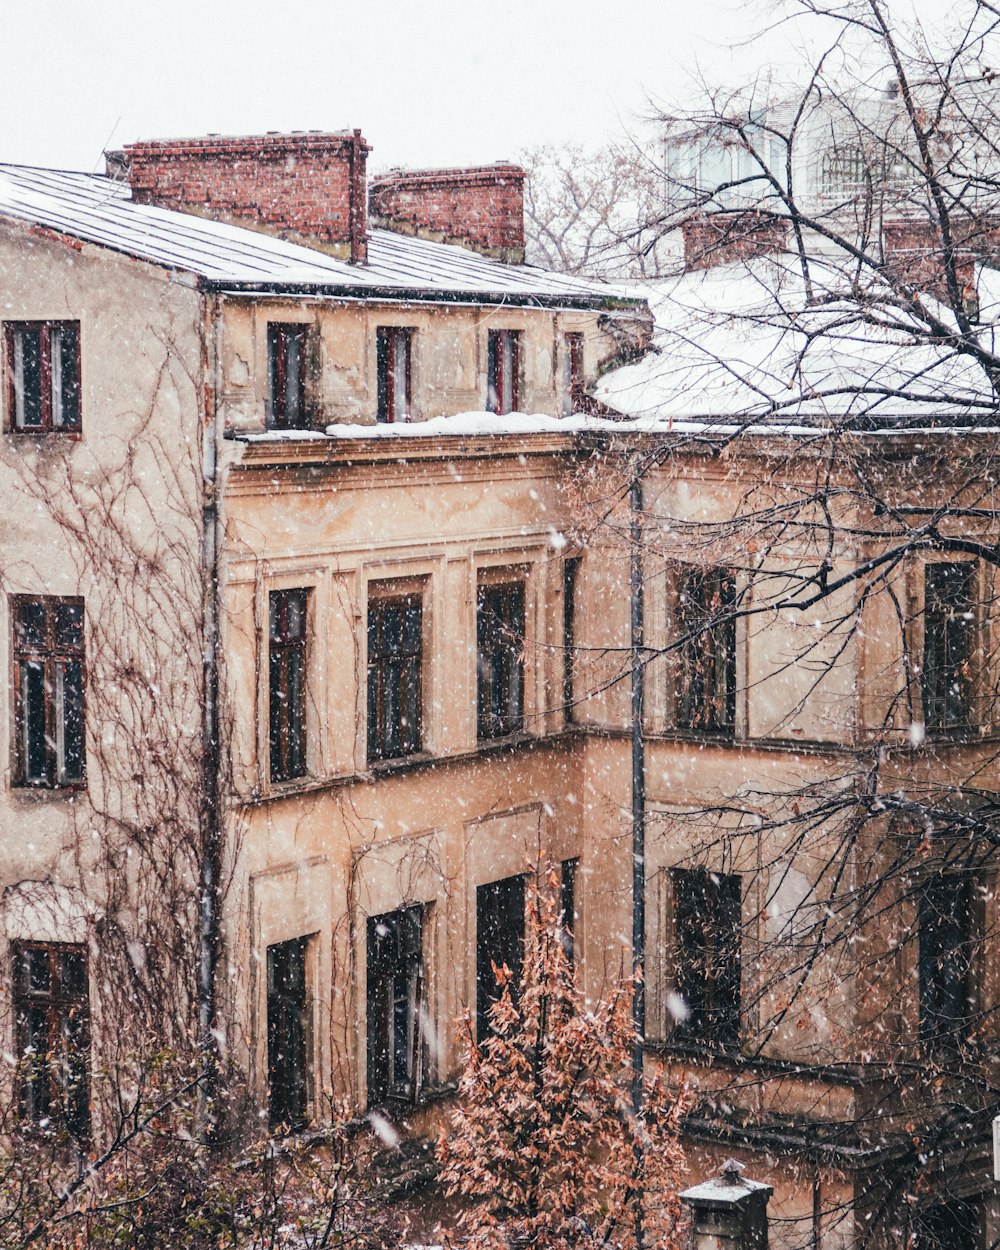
x: 100, y: 210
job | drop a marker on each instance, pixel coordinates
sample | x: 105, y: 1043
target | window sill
x: 400, y: 763
x: 53, y: 793
x: 509, y: 742
x: 16, y: 432
x: 380, y: 769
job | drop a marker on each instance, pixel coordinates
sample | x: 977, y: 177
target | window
x: 393, y: 350
x: 500, y: 660
x: 949, y: 1225
x: 571, y: 572
x: 52, y: 1016
x: 945, y: 960
x: 48, y: 694
x: 43, y: 375
x: 843, y: 171
x: 286, y: 364
x: 395, y: 1002
x: 395, y: 649
x: 949, y: 624
x: 567, y: 905
x: 573, y: 393
x: 706, y: 698
x: 287, y: 617
x: 499, y: 943
x: 287, y: 1067
x: 707, y: 924
x: 503, y: 367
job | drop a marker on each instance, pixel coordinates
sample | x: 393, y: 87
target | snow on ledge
x: 477, y: 423
x: 491, y: 424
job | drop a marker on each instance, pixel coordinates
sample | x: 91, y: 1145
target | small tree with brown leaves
x: 544, y: 1147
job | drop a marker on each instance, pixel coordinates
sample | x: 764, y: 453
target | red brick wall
x: 720, y: 239
x: 913, y: 250
x: 482, y: 208
x: 308, y: 185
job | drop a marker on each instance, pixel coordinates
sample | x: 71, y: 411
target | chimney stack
x: 481, y: 208
x: 308, y: 187
x: 712, y: 239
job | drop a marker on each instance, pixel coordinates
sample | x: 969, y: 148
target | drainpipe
x: 211, y: 850
x: 638, y: 817
x: 638, y: 784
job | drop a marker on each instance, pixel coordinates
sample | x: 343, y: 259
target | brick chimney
x: 712, y: 239
x: 913, y: 250
x: 308, y: 187
x: 481, y: 208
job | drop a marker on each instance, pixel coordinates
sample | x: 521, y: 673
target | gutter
x: 467, y: 297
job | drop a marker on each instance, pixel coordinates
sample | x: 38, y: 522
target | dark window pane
x: 39, y: 976
x: 286, y: 354
x: 69, y: 726
x: 571, y: 572
x: 567, y: 904
x: 27, y: 368
x: 502, y: 368
x: 286, y: 1033
x: 395, y: 975
x: 500, y: 660
x: 65, y: 377
x: 949, y: 622
x: 74, y: 974
x: 48, y: 659
x: 395, y: 643
x: 707, y: 933
x: 945, y: 960
x: 492, y: 370
x: 499, y: 942
x: 707, y: 670
x: 69, y: 625
x: 33, y: 722
x: 383, y: 350
x: 287, y: 620
x: 52, y: 1015
x: 30, y: 630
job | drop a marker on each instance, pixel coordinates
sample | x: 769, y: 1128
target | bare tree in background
x: 585, y: 209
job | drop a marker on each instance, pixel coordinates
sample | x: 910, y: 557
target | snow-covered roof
x: 741, y: 343
x: 100, y: 210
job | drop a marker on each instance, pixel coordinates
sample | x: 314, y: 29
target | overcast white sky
x: 429, y: 82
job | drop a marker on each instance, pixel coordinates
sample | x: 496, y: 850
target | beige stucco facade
x: 174, y: 457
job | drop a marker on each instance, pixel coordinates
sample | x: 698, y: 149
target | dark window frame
x: 500, y: 905
x: 46, y: 423
x: 569, y: 873
x: 575, y: 394
x: 571, y: 575
x: 54, y: 1084
x: 280, y: 414
x: 946, y: 951
x: 947, y: 684
x: 288, y: 673
x: 706, y: 666
x: 288, y: 1033
x: 707, y: 931
x: 503, y: 371
x: 48, y: 747
x: 395, y: 683
x: 500, y: 643
x: 395, y: 1002
x: 389, y: 342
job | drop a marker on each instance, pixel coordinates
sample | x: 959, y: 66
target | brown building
x: 299, y: 618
